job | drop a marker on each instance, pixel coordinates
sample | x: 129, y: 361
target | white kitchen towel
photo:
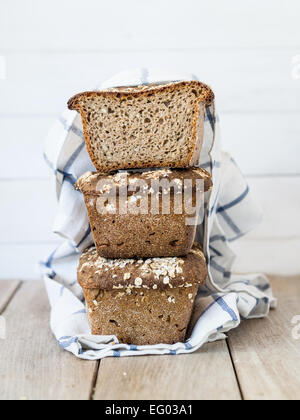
x: 230, y: 212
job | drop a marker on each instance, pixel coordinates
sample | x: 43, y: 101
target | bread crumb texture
x: 142, y: 127
x: 141, y: 317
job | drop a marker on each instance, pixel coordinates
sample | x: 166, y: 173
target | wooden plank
x: 100, y: 25
x: 243, y: 80
x: 35, y: 367
x: 206, y: 374
x: 265, y: 354
x: 7, y: 290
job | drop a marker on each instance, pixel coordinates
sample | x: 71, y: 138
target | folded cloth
x: 230, y: 212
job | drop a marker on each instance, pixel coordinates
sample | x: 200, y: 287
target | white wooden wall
x: 248, y: 51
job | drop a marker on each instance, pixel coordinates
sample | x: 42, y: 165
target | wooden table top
x: 259, y: 360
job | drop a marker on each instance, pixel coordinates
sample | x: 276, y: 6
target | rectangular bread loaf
x: 146, y: 126
x: 143, y: 229
x: 141, y: 301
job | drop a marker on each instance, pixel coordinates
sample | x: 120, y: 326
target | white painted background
x: 246, y: 50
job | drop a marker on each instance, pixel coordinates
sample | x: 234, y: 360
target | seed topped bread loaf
x: 89, y: 182
x: 151, y: 273
x: 141, y: 301
x: 145, y: 126
x: 150, y: 231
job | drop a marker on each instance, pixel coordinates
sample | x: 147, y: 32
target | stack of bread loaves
x: 141, y: 278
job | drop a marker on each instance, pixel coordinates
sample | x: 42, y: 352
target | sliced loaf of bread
x: 149, y: 126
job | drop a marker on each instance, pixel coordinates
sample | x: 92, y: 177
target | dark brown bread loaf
x: 145, y: 126
x: 141, y: 301
x: 130, y: 235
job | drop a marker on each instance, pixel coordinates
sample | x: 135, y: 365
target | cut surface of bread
x: 145, y: 126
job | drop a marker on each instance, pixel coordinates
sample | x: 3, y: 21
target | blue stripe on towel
x: 264, y: 288
x: 216, y: 266
x: 65, y: 344
x: 117, y: 353
x: 221, y: 302
x: 84, y: 237
x: 73, y: 283
x: 217, y: 238
x: 52, y: 275
x: 48, y: 161
x: 67, y: 177
x: 206, y: 165
x: 237, y: 236
x: 50, y: 259
x: 266, y: 300
x: 133, y: 348
x: 218, y: 253
x: 72, y: 128
x: 211, y: 211
x: 74, y: 156
x: 211, y: 165
x: 230, y: 223
x: 210, y: 118
x: 234, y: 202
x: 82, y: 311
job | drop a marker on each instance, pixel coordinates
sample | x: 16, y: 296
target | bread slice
x: 149, y: 126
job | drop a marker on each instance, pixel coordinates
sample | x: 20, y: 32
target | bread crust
x: 87, y: 183
x: 141, y: 302
x: 206, y: 97
x: 129, y: 235
x: 146, y: 317
x: 95, y: 272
